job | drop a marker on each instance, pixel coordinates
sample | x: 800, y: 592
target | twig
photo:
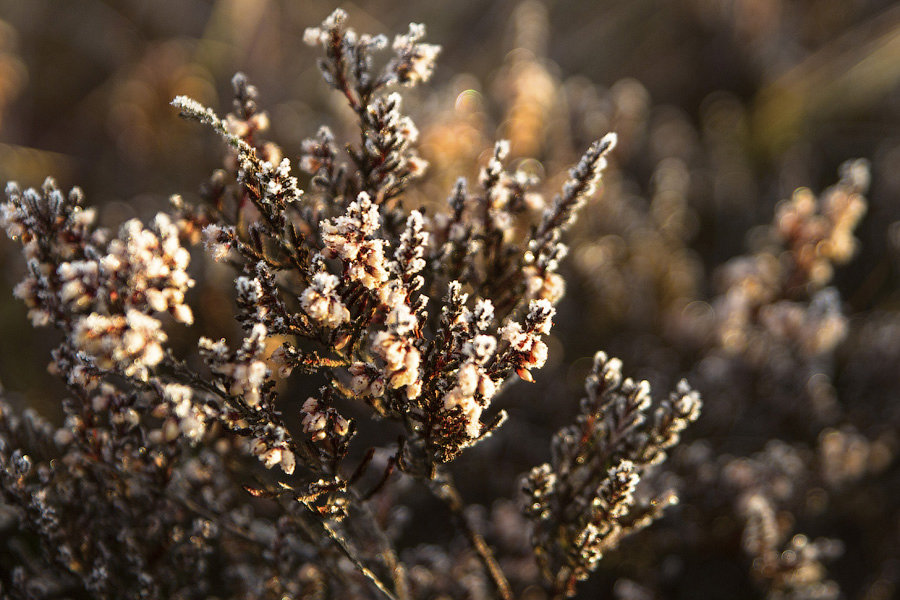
x: 444, y: 489
x: 345, y: 549
x: 386, y: 549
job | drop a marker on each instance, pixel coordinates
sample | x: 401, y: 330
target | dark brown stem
x: 385, y: 549
x: 444, y: 489
x: 348, y: 552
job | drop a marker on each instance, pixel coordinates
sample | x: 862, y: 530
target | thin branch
x: 386, y: 549
x: 342, y: 545
x: 444, y: 489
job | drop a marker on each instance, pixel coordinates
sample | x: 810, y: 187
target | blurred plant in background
x: 685, y: 265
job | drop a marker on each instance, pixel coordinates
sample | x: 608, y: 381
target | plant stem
x: 386, y: 550
x: 442, y: 487
x: 362, y: 568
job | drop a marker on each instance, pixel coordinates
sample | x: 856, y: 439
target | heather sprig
x: 387, y: 311
x: 583, y: 502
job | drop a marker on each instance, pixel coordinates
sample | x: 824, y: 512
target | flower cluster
x: 321, y: 303
x: 386, y: 160
x: 583, y: 502
x: 102, y: 292
x: 244, y: 371
x: 764, y: 293
x: 348, y: 237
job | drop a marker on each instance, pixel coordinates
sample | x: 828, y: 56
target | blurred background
x: 723, y: 108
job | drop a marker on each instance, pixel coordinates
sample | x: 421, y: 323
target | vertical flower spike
x: 349, y: 237
x: 410, y: 254
x: 545, y: 250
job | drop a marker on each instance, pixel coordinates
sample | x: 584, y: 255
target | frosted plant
x: 420, y: 321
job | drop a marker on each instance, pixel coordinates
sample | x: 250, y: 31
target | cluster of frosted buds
x: 150, y: 266
x: 259, y: 300
x: 410, y: 254
x: 507, y: 192
x: 366, y: 380
x: 273, y: 449
x: 400, y: 129
x: 269, y: 183
x: 582, y: 183
x: 587, y: 507
x: 400, y: 318
x: 30, y: 291
x: 349, y: 56
x: 673, y: 415
x: 249, y: 297
x: 543, y: 255
x: 345, y: 237
x: 79, y: 369
x: 603, y: 529
x: 401, y: 359
x: 413, y: 62
x: 473, y: 390
x: 319, y: 152
x: 322, y: 303
x: 526, y: 350
x: 550, y: 286
x: 265, y: 170
x: 273, y: 180
x: 51, y: 227
x: 143, y: 270
x: 474, y: 387
x: 131, y: 343
x: 80, y: 281
x: 190, y: 417
x: 285, y: 358
x: 320, y: 422
x: 391, y: 140
x: 395, y: 345
x: 819, y: 233
x: 388, y: 134
x: 245, y: 121
x: 245, y: 369
x: 48, y: 218
x: 545, y: 251
x: 321, y: 36
x: 218, y: 239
